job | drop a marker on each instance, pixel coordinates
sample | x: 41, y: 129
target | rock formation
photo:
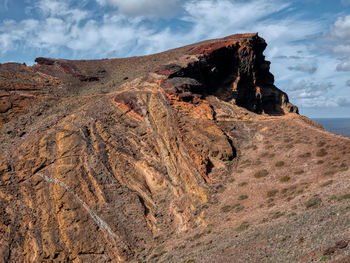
x: 114, y: 160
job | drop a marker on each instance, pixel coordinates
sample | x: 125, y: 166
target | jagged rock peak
x: 233, y: 69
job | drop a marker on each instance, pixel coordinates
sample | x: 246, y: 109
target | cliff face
x: 105, y: 160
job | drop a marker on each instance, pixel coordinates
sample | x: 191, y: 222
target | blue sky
x: 309, y: 40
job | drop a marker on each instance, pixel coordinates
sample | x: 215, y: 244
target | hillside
x: 190, y: 155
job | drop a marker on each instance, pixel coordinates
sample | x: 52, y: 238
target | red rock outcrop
x: 116, y: 157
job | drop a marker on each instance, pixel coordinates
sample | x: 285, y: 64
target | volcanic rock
x: 153, y: 158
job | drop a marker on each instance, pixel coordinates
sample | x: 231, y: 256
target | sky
x: 308, y: 40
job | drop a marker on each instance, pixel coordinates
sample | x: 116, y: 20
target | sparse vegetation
x: 279, y: 164
x: 242, y: 227
x: 299, y: 172
x: 284, y: 179
x: 327, y: 183
x: 242, y: 197
x: 257, y: 162
x: 329, y: 173
x: 230, y: 162
x: 231, y: 180
x: 226, y: 208
x: 272, y: 193
x: 313, y: 202
x: 305, y: 155
x: 321, y: 153
x: 243, y: 184
x: 343, y: 197
x: 300, y: 191
x: 323, y: 258
x: 261, y: 173
x: 284, y: 190
x: 277, y: 214
x: 321, y: 144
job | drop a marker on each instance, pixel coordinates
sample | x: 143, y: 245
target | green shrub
x: 299, y: 172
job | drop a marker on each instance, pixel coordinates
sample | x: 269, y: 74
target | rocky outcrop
x: 109, y: 176
x: 233, y: 69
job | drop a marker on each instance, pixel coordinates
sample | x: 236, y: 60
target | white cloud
x: 146, y: 8
x: 344, y: 66
x: 307, y: 68
x: 309, y: 93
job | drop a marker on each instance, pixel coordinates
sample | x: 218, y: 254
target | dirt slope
x: 190, y: 155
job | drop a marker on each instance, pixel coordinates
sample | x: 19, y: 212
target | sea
x: 335, y: 125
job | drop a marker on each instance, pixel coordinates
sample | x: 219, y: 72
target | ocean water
x: 335, y: 125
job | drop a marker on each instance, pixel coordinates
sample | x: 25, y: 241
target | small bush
x: 329, y: 173
x: 226, y: 208
x: 277, y: 214
x: 230, y: 162
x: 285, y: 178
x: 242, y: 227
x: 321, y: 153
x: 299, y: 172
x: 343, y: 197
x: 272, y: 193
x: 279, y: 164
x: 313, y: 202
x: 231, y: 180
x: 257, y: 162
x: 238, y: 207
x: 305, y: 155
x: 242, y: 184
x: 242, y: 197
x: 327, y: 183
x: 261, y: 173
x: 321, y: 144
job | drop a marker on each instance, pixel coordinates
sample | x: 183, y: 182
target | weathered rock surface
x: 105, y: 161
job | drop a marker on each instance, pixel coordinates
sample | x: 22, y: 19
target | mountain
x: 190, y: 155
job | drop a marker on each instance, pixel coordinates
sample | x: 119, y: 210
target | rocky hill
x: 190, y: 155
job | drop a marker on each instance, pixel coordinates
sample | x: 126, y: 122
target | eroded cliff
x: 107, y: 160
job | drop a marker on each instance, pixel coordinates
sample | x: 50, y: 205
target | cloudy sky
x: 309, y: 40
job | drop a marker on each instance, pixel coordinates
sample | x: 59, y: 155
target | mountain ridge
x: 128, y: 159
